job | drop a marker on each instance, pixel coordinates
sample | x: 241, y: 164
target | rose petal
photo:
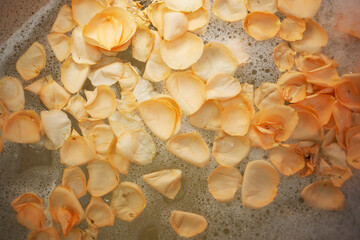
x: 167, y: 182
x: 97, y: 184
x: 82, y: 52
x: 268, y: 95
x: 262, y: 25
x: 102, y: 102
x: 284, y: 57
x: 12, y: 93
x: 76, y: 151
x: 261, y: 5
x: 230, y: 10
x: 64, y: 21
x: 60, y: 45
x: 288, y: 159
x: 184, y: 5
x: 187, y: 224
x: 208, y: 116
x: 99, y: 213
x: 235, y: 119
x: 142, y: 43
x: 84, y: 10
x: 73, y: 75
x: 30, y: 64
x: 299, y: 8
x: 74, y: 178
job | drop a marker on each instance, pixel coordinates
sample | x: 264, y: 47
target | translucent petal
x: 259, y: 187
x: 261, y: 5
x: 12, y: 93
x: 74, y: 178
x: 262, y: 25
x: 87, y: 124
x: 102, y: 103
x: 76, y: 151
x: 347, y: 91
x: 144, y: 90
x: 268, y: 95
x: 117, y: 161
x: 293, y: 85
x: 224, y: 182
x: 26, y: 198
x: 235, y: 119
x: 342, y: 117
x: 130, y: 77
x: 352, y: 143
x: 175, y: 24
x: 85, y: 10
x: 230, y: 10
x: 128, y: 102
x: 167, y: 182
x: 322, y: 104
x: 53, y: 95
x: 99, y: 213
x: 44, y: 234
x: 288, y: 159
x: 292, y: 28
x: 197, y: 20
x: 60, y: 45
x: 127, y: 201
x: 64, y: 21
x: 184, y: 5
x: 299, y: 8
x: 73, y: 75
x: 190, y: 147
x: 57, y: 128
x: 35, y: 86
x: 187, y: 224
x: 30, y: 64
x: 326, y: 76
x: 208, y: 116
x: 284, y: 57
x: 82, y: 52
x: 121, y: 121
x: 156, y: 70
x: 142, y: 43
x: 31, y: 216
x: 97, y: 184
x: 338, y: 176
x: 107, y: 72
x: 230, y: 150
x: 102, y: 136
x: 75, y: 107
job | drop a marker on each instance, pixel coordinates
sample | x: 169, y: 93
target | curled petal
x: 230, y: 10
x: 259, y: 187
x: 190, y: 147
x: 74, y: 178
x: 208, y: 116
x: 81, y: 51
x: 99, y: 213
x: 299, y: 8
x: 185, y: 5
x: 187, y: 90
x: 60, y: 44
x: 167, y: 182
x: 142, y: 43
x: 310, y: 62
x: 25, y: 199
x: 222, y: 86
x: 219, y: 57
x: 121, y: 121
x: 322, y: 104
x: 175, y: 24
x: 284, y: 57
x: 338, y: 176
x: 268, y: 95
x: 76, y: 151
x: 97, y: 184
x: 75, y: 107
x: 230, y: 150
x: 352, y: 143
x: 30, y: 64
x: 64, y: 21
x: 310, y: 151
x: 288, y: 159
x: 314, y: 38
x: 294, y: 86
x: 144, y: 90
x: 53, y: 95
x: 12, y: 93
x: 347, y: 91
x: 117, y: 161
x: 127, y: 201
x: 187, y: 224
x: 224, y: 182
x: 73, y: 75
x: 292, y: 28
x: 262, y: 25
x: 84, y: 10
x: 326, y: 76
x: 235, y: 119
x: 342, y: 117
x: 107, y: 72
x: 87, y: 124
x: 35, y: 86
x: 4, y: 114
x: 128, y: 102
x: 262, y: 5
x: 156, y: 70
x: 323, y: 195
x: 102, y: 136
x: 45, y: 233
x: 102, y: 102
x: 198, y: 19
x: 31, y: 216
x: 182, y: 52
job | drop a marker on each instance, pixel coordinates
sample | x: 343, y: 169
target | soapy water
x: 25, y: 169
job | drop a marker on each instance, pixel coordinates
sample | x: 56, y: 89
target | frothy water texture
x: 286, y: 218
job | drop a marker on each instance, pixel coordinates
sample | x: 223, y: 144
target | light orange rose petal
x: 24, y: 199
x: 12, y: 93
x: 294, y: 86
x: 54, y: 96
x: 347, y: 91
x: 99, y: 213
x: 32, y: 62
x: 76, y: 151
x: 84, y: 10
x: 262, y: 25
x: 74, y: 178
x: 64, y: 21
x: 187, y: 224
x: 284, y: 57
x: 208, y: 116
x: 230, y: 10
x: 299, y: 8
x: 60, y: 45
x: 292, y: 28
x: 288, y: 159
x: 102, y: 102
x: 97, y: 185
x: 235, y: 120
x: 322, y: 104
x: 268, y: 95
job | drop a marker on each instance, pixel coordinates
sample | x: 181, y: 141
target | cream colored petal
x: 182, y: 52
x: 65, y: 208
x: 110, y: 29
x: 224, y: 182
x: 57, y: 128
x: 216, y: 58
x: 155, y: 14
x: 85, y: 10
x: 314, y: 38
x: 54, y: 96
x: 81, y: 51
x: 238, y: 48
x: 284, y: 57
x: 73, y: 75
x: 121, y: 121
x: 107, y: 72
x: 323, y: 195
x: 268, y: 95
x: 97, y: 184
x: 117, y: 161
x: 259, y: 187
x: 35, y: 86
x: 23, y: 127
x: 87, y: 124
x: 99, y: 213
x: 222, y: 86
x: 76, y: 151
x: 262, y: 25
x: 184, y: 5
x: 235, y: 120
x: 136, y: 146
x: 167, y: 182
x: 299, y: 8
x: 187, y: 224
x: 292, y: 28
x: 24, y: 199
x: 144, y: 90
x: 261, y: 5
x: 230, y: 150
x: 190, y: 147
x: 198, y: 19
x: 169, y: 100
x: 102, y: 136
x: 31, y: 216
x: 208, y: 116
x: 64, y: 21
x: 245, y: 99
x: 12, y: 93
x: 75, y: 107
x: 288, y: 159
x: 44, y: 234
x: 175, y: 24
x: 130, y: 77
x: 156, y: 70
x: 60, y: 44
x: 159, y: 116
x: 187, y: 90
x: 142, y: 43
x: 128, y: 102
x: 74, y: 178
x: 30, y: 64
x: 127, y: 201
x: 230, y: 10
x: 102, y: 103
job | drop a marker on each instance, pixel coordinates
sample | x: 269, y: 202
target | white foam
x: 285, y: 218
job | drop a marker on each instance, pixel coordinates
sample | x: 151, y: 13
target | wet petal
x: 102, y: 102
x: 230, y: 10
x: 198, y: 19
x: 288, y: 159
x: 235, y: 119
x: 268, y: 95
x: 352, y: 143
x: 338, y: 176
x: 187, y: 224
x: 261, y: 5
x: 87, y: 124
x: 224, y: 182
x: 208, y: 116
x: 310, y: 62
x: 284, y: 57
x: 121, y: 121
x: 142, y: 43
x: 64, y: 21
x: 53, y: 95
x: 12, y: 93
x: 156, y: 70
x: 73, y: 75
x: 144, y: 90
x: 259, y: 187
x: 44, y: 234
x: 292, y: 28
x: 128, y: 102
x: 185, y: 5
x: 102, y: 136
x: 60, y: 45
x: 117, y: 161
x: 107, y: 72
x: 76, y: 151
x: 85, y: 10
x: 299, y: 8
x: 97, y: 185
x: 82, y: 52
x: 347, y: 92
x: 26, y: 198
x: 175, y: 24
x: 31, y: 216
x: 74, y: 178
x: 262, y: 25
x: 342, y: 117
x: 294, y: 86
x: 99, y: 213
x: 30, y: 64
x: 75, y: 107
x: 35, y: 86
